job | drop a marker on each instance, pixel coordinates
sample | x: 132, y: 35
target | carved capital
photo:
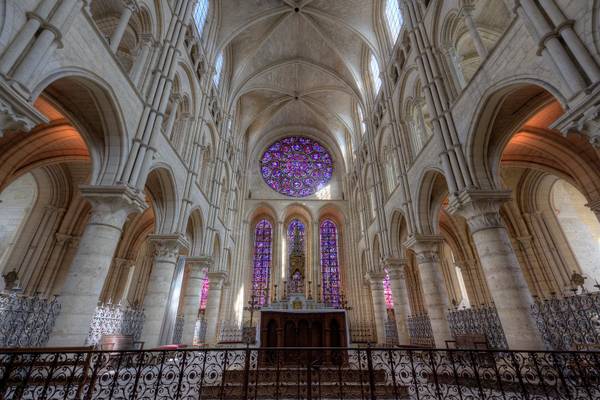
x: 481, y: 209
x: 111, y: 205
x: 16, y: 114
x: 594, y: 205
x: 425, y: 247
x: 584, y: 120
x: 198, y: 264
x: 375, y: 279
x: 167, y: 247
x: 395, y: 267
x: 216, y: 279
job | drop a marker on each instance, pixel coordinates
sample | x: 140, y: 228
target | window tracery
x: 330, y: 264
x: 296, y: 166
x: 393, y: 17
x: 263, y: 243
x: 200, y: 14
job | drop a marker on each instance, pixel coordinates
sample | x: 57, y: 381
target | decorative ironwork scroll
x: 286, y: 373
x: 178, y: 332
x: 570, y: 322
x: 115, y: 319
x: 480, y: 321
x: 26, y: 321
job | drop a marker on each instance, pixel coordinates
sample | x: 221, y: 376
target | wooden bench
x: 470, y: 341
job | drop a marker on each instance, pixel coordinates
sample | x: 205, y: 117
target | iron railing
x: 178, y: 331
x: 419, y: 330
x: 115, y: 319
x: 482, y: 320
x: 570, y: 322
x: 299, y: 373
x: 26, y: 321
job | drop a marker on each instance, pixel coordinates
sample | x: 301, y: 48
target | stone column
x: 128, y: 7
x: 432, y: 283
x: 156, y: 300
x: 142, y: 58
x: 85, y: 278
x: 172, y: 115
x: 213, y: 304
x: 193, y: 294
x: 378, y: 297
x: 467, y: 14
x: 395, y: 269
x: 501, y: 268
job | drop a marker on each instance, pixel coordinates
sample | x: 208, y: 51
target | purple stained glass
x: 387, y: 290
x: 330, y: 264
x: 296, y: 224
x: 262, y: 261
x: 296, y: 166
x: 204, y: 292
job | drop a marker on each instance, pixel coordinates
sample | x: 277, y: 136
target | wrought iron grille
x: 115, y: 319
x: 26, y: 321
x: 419, y: 329
x: 178, y: 332
x: 200, y: 332
x: 299, y: 373
x: 479, y: 321
x: 361, y: 333
x: 570, y: 322
x: 391, y: 332
x: 231, y: 332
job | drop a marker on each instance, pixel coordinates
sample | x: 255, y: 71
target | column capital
x: 423, y: 243
x: 167, y: 247
x: 17, y: 114
x: 216, y: 279
x: 375, y: 279
x: 396, y: 267
x: 122, y: 263
x: 481, y: 209
x: 197, y: 264
x: 594, y: 205
x: 131, y: 5
x: 112, y: 204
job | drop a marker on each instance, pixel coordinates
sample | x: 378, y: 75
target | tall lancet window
x: 330, y: 267
x: 218, y: 69
x: 393, y: 17
x: 263, y: 244
x: 200, y: 14
x: 296, y: 232
x: 204, y: 292
x: 375, y: 78
x: 387, y: 291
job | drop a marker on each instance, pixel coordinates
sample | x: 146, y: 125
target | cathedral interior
x: 300, y: 199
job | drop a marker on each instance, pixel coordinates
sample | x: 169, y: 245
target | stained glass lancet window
x: 296, y: 166
x: 200, y: 14
x: 393, y: 17
x: 204, y: 292
x: 330, y: 268
x: 296, y: 224
x: 387, y: 290
x: 263, y: 244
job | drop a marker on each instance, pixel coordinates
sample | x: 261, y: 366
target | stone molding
x: 375, y: 279
x: 395, y: 267
x: 481, y: 209
x: 425, y: 247
x: 196, y: 264
x: 583, y: 118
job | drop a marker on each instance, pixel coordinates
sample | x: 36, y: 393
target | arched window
x: 263, y: 243
x: 330, y: 268
x: 393, y: 17
x: 374, y: 69
x: 296, y: 223
x: 200, y: 14
x: 204, y: 292
x: 363, y: 124
x: 387, y: 290
x: 218, y: 69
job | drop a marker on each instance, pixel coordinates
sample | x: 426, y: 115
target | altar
x: 302, y: 323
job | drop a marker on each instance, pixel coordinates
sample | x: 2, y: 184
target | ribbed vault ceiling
x: 297, y: 64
